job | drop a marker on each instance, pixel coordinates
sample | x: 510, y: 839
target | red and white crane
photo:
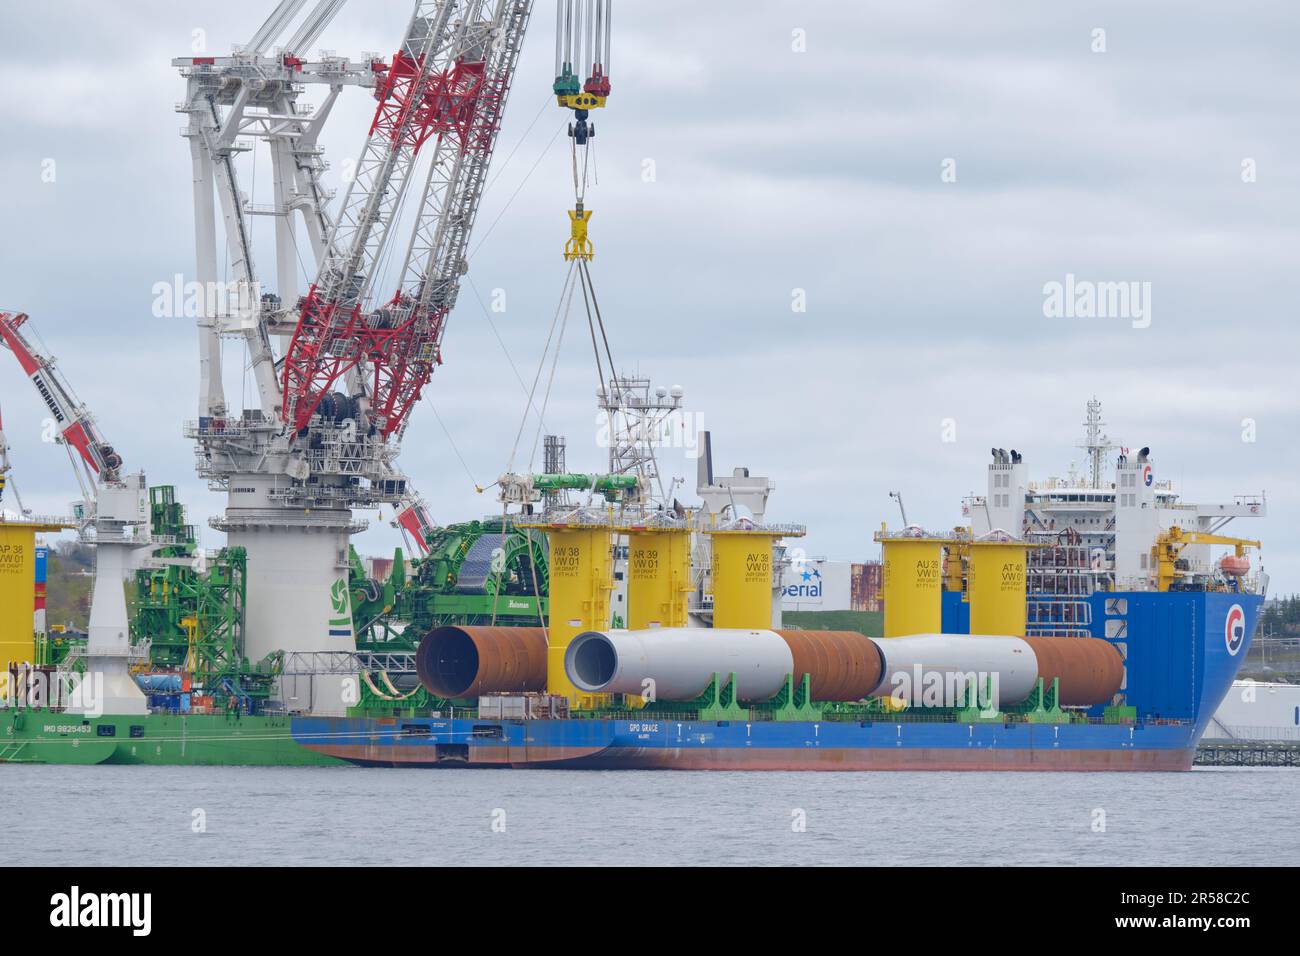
x: 114, y: 505
x: 336, y: 372
x: 446, y: 87
x: 72, y: 419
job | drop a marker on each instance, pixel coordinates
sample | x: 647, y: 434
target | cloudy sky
x: 920, y: 171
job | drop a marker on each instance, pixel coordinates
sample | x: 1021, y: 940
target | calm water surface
x: 342, y: 816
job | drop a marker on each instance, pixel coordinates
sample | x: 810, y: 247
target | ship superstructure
x: 1114, y: 517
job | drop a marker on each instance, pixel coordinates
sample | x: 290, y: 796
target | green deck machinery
x: 193, y: 619
x: 477, y: 572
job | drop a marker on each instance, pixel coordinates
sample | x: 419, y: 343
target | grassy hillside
x: 870, y: 623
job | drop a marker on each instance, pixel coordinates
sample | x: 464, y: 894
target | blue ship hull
x: 666, y: 744
x: 1181, y: 650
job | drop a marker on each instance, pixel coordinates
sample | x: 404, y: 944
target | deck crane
x: 411, y: 517
x: 468, y: 101
x: 114, y: 503
x: 446, y: 85
x: 259, y: 92
x: 253, y: 95
x: 1167, y: 551
x: 76, y: 426
x: 337, y: 371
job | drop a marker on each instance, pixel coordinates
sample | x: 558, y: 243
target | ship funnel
x: 704, y: 466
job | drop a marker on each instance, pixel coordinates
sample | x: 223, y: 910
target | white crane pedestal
x: 298, y: 599
x: 108, y: 687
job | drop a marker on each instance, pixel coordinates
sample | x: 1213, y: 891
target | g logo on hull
x: 1234, y: 629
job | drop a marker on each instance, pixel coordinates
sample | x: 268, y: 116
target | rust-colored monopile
x: 1090, y: 669
x: 841, y: 665
x: 459, y: 662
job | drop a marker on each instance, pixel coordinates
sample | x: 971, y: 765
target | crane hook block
x: 566, y: 84
x: 578, y: 246
x: 580, y: 101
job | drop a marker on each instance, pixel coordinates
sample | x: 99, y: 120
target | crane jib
x: 402, y: 360
x: 415, y: 106
x: 74, y: 423
x: 9, y: 324
x: 448, y: 83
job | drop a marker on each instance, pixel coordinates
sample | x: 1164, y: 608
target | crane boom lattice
x: 447, y: 85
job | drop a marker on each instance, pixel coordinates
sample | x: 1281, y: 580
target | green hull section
x: 42, y: 736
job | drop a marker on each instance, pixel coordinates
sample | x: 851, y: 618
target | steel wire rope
x: 601, y: 381
x: 451, y: 441
x: 550, y: 382
x: 500, y: 341
x: 559, y: 309
x: 496, y: 594
x: 495, y: 332
x: 600, y: 321
x: 518, y: 189
x: 562, y: 316
x: 532, y: 565
x: 506, y: 162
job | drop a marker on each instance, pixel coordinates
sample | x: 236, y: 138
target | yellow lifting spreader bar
x: 579, y: 246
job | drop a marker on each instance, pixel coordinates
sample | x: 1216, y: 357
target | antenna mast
x: 1097, y: 444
